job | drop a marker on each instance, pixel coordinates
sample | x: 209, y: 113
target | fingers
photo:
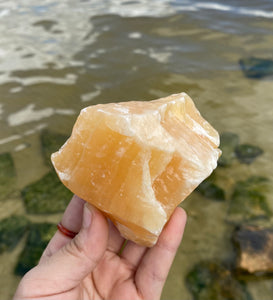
x: 133, y: 253
x: 115, y: 241
x: 73, y: 262
x: 154, y: 267
x: 72, y: 220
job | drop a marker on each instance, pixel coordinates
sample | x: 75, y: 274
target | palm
x: 118, y: 279
x: 93, y: 287
x: 91, y: 267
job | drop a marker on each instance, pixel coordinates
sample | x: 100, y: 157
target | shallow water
x: 58, y: 57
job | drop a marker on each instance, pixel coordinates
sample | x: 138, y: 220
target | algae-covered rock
x: 7, y: 175
x: 47, y: 195
x: 228, y: 142
x: 210, y: 190
x: 255, y: 249
x: 254, y: 67
x: 37, y: 240
x: 212, y: 281
x: 247, y: 153
x: 51, y: 142
x: 248, y: 201
x: 12, y: 230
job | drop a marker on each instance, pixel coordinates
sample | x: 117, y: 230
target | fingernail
x: 87, y: 216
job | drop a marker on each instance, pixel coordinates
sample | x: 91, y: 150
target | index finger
x: 71, y: 220
x: 155, y: 265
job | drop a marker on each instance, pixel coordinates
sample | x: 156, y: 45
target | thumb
x: 78, y: 258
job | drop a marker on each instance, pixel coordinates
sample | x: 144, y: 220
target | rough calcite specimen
x: 136, y: 161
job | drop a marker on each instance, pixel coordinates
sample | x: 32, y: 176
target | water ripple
x: 29, y: 114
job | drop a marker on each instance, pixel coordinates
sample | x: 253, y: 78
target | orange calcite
x: 136, y: 161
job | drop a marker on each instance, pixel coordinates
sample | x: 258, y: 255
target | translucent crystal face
x: 136, y: 161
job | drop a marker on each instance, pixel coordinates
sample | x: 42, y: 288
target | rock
x: 247, y: 153
x: 248, y: 201
x: 51, y: 142
x: 255, y: 249
x: 228, y: 142
x: 212, y: 281
x: 210, y: 190
x: 7, y: 175
x: 37, y: 240
x: 256, y: 67
x: 136, y: 161
x: 45, y: 24
x: 12, y: 230
x: 47, y: 195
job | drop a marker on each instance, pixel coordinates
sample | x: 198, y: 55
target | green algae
x: 37, y: 240
x: 209, y: 280
x: 12, y: 230
x: 254, y: 67
x: 248, y: 201
x: 247, y: 153
x: 50, y: 143
x: 228, y: 142
x: 47, y: 195
x: 210, y: 190
x: 7, y: 175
